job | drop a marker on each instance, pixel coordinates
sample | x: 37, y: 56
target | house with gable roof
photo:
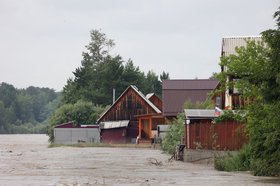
x: 232, y: 98
x: 120, y: 122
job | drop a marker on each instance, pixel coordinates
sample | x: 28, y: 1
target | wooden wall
x: 127, y: 107
x: 220, y: 136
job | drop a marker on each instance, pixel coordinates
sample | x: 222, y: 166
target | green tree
x: 8, y: 94
x: 152, y: 83
x: 86, y: 84
x: 174, y: 134
x: 257, y: 67
x: 81, y: 112
x: 101, y: 72
x: 164, y: 76
x: 132, y: 76
x: 23, y: 109
x: 3, y: 121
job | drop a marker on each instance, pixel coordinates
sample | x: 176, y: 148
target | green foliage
x: 249, y: 66
x: 264, y: 132
x: 229, y: 115
x: 208, y: 104
x: 24, y: 110
x: 258, y: 68
x: 101, y: 72
x: 174, y: 134
x: 164, y: 76
x: 177, y: 127
x: 81, y: 112
x: 238, y: 162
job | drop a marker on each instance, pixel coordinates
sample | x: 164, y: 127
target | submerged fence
x: 227, y: 135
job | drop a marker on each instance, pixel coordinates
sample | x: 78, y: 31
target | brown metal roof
x: 177, y: 92
x: 190, y: 84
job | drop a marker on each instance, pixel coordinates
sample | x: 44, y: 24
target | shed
x: 113, y: 131
x: 202, y: 133
x: 69, y: 133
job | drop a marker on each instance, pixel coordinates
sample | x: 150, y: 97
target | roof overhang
x: 200, y: 114
x: 114, y: 124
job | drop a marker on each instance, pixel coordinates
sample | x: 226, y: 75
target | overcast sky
x: 41, y: 41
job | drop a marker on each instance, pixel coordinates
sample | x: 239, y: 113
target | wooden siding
x: 127, y: 107
x: 156, y: 101
x: 116, y: 135
x: 221, y: 136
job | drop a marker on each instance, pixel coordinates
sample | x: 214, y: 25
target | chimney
x: 114, y: 95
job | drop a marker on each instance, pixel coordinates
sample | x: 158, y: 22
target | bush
x: 173, y: 135
x: 264, y: 133
x: 81, y: 112
x: 229, y: 115
x: 238, y: 162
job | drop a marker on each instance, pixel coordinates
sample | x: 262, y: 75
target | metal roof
x: 200, y: 113
x: 145, y: 99
x: 71, y: 124
x: 229, y: 44
x: 114, y: 124
x: 148, y: 96
x: 176, y: 92
x: 190, y: 84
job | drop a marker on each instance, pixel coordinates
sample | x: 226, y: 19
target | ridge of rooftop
x: 190, y: 80
x: 233, y: 37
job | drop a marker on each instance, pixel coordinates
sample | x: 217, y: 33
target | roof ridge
x: 190, y: 80
x: 235, y: 37
x: 139, y: 93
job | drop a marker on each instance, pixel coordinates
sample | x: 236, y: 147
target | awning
x: 113, y: 124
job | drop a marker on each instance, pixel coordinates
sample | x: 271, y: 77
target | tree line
x: 26, y: 110
x: 83, y: 98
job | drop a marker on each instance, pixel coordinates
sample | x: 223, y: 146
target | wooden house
x: 232, y: 98
x: 120, y: 122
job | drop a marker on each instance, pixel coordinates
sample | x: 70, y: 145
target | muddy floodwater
x: 27, y: 160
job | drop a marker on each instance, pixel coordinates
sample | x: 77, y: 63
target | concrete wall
x: 196, y: 155
x: 74, y: 135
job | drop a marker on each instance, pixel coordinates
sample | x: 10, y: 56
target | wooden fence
x: 219, y: 136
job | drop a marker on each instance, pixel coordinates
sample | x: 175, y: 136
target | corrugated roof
x: 148, y: 96
x: 71, y: 124
x: 230, y: 43
x: 114, y: 124
x: 190, y: 84
x: 199, y: 113
x: 177, y: 92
